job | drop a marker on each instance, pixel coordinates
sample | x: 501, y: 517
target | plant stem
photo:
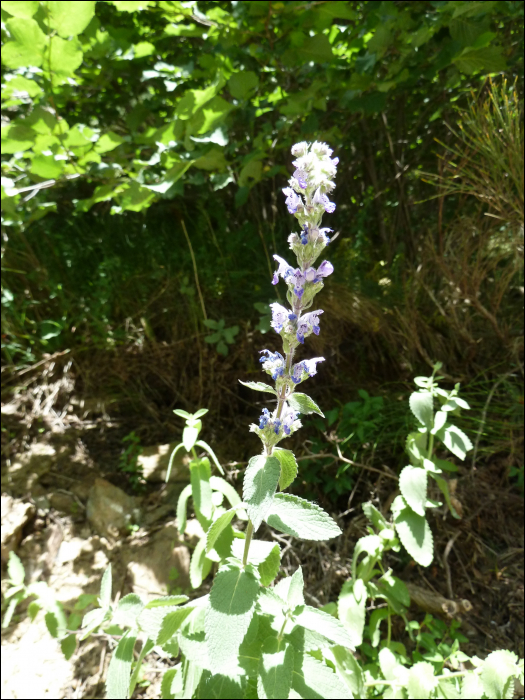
x: 247, y: 542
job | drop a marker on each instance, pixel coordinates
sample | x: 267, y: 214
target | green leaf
x: 131, y: 5
x: 316, y: 49
x: 497, y: 674
x: 182, y: 414
x: 351, y: 608
x: 107, y: 142
x: 226, y: 489
x: 472, y: 687
x: 288, y: 466
x: 258, y: 552
x: 304, y: 404
x: 166, y: 601
x: 290, y: 589
x: 374, y: 624
x: 349, y: 670
x: 269, y: 567
x: 421, y: 405
x: 207, y: 448
x: 322, y: 623
x: 200, y: 473
x: 195, y: 99
x: 443, y: 486
x: 217, y: 527
x: 28, y: 45
x: 20, y: 8
x: 276, y: 666
x: 313, y: 679
x: 105, y: 588
x: 489, y: 59
x: 416, y: 447
x: 220, y: 685
x: 151, y: 619
x: 68, y: 645
x: 15, y: 569
x: 128, y: 609
x: 377, y: 519
x: 47, y: 167
x: 455, y: 440
x: 259, y: 386
x: 421, y: 681
x: 17, y: 138
x: 182, y: 508
x: 171, y: 683
x: 413, y: 486
x: 231, y: 607
x: 300, y: 518
x: 189, y: 437
x: 64, y: 57
x: 260, y: 482
x: 70, y: 18
x: 171, y: 623
x: 119, y: 671
x: 243, y: 84
x: 200, y: 565
x: 414, y: 532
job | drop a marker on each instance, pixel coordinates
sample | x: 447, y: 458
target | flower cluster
x: 306, y: 198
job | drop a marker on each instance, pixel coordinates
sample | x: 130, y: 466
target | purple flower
x: 299, y: 280
x: 292, y: 199
x: 302, y: 178
x: 273, y: 363
x: 304, y: 234
x: 280, y: 316
x: 307, y: 324
x: 324, y: 233
x: 310, y: 365
x: 265, y: 417
x: 288, y: 420
x: 284, y: 270
x: 300, y: 149
x: 325, y: 268
x: 297, y: 373
x: 323, y: 201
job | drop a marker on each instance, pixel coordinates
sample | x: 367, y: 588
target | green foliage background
x: 121, y: 120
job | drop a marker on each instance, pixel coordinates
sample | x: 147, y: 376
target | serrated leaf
x: 421, y: 405
x: 217, y: 527
x: 413, y: 486
x: 259, y: 386
x: 497, y: 674
x: 171, y: 683
x: 304, y: 404
x: 231, y: 607
x: 200, y: 473
x: 313, y: 679
x: 455, y: 440
x: 15, y: 570
x: 290, y: 589
x: 200, y: 565
x: 151, y: 619
x: 471, y: 687
x: 414, y: 532
x: 421, y: 681
x: 316, y: 48
x: 119, y: 671
x: 351, y: 609
x: 128, y: 609
x: 171, y: 623
x: 322, y: 623
x: 220, y: 685
x: 288, y: 467
x: 269, y: 567
x: 276, y: 666
x: 182, y: 504
x: 439, y: 421
x: 70, y: 18
x: 300, y: 518
x: 243, y: 84
x: 416, y: 447
x: 24, y: 9
x: 260, y: 482
x: 105, y: 588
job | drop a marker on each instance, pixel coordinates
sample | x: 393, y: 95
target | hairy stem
x: 247, y: 542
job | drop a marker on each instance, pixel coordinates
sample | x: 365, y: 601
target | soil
x: 56, y: 441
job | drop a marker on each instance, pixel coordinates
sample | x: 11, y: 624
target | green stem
x: 389, y: 634
x: 280, y: 635
x: 247, y: 542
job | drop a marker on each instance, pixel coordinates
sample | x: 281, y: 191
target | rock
x: 30, y: 466
x: 154, y: 462
x: 109, y: 510
x: 157, y: 563
x: 15, y: 515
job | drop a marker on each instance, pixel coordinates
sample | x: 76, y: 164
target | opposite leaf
x: 422, y: 407
x: 229, y: 613
x: 295, y: 516
x: 455, y: 440
x: 259, y: 386
x: 322, y: 623
x: 288, y: 467
x: 260, y: 482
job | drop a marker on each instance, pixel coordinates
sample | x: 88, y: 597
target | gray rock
x: 109, y: 510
